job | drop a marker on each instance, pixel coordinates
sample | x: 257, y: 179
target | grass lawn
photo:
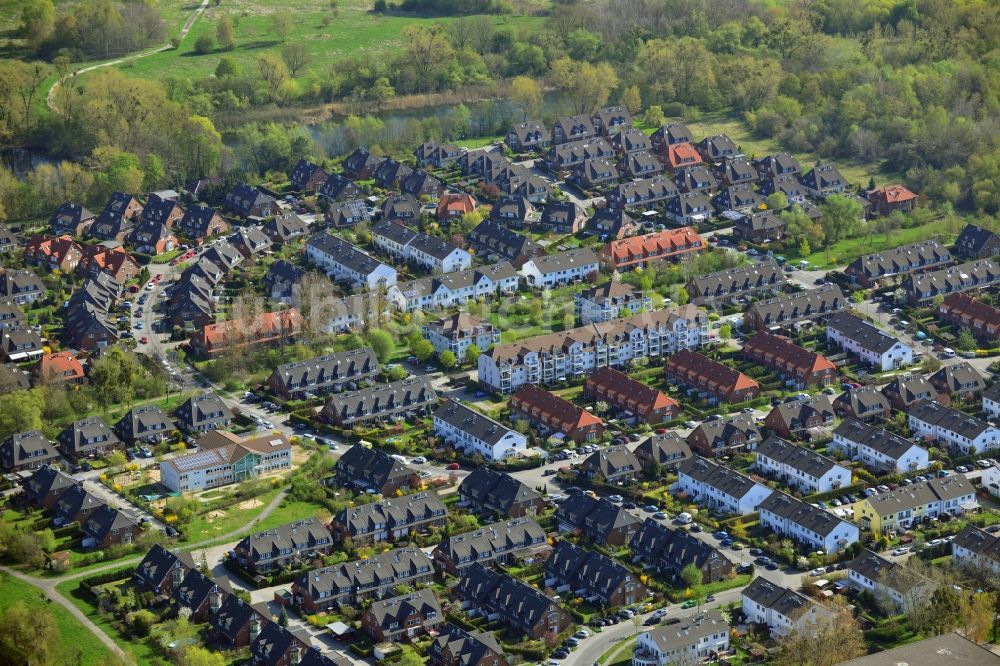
x: 223, y: 521
x: 73, y: 636
x: 619, y: 653
x: 845, y: 251
x: 288, y: 512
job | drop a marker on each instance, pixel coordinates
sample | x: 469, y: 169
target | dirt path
x: 51, y: 96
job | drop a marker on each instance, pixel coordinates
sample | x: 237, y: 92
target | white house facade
x: 720, y: 488
x: 804, y: 523
x: 343, y: 261
x: 476, y: 434
x: 935, y: 421
x: 871, y: 345
x: 553, y: 270
x: 800, y: 467
x: 878, y: 449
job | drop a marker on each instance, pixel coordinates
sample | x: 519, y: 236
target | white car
x: 902, y: 550
x: 419, y: 460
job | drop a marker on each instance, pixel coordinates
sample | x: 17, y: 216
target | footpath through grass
x: 75, y: 641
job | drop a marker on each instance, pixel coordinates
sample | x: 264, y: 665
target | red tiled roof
x: 659, y: 244
x: 807, y: 362
x: 60, y: 365
x: 682, y: 155
x: 263, y: 328
x: 620, y: 388
x: 963, y: 306
x: 708, y: 374
x: 552, y: 408
x: 895, y: 193
x: 449, y: 203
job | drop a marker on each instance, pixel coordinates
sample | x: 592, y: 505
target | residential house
x: 611, y: 119
x: 547, y: 358
x: 74, y: 506
x: 779, y: 164
x: 361, y: 164
x: 248, y: 202
x: 112, y: 261
x: 501, y: 597
x: 422, y: 184
x: 117, y: 218
x: 662, y: 450
x: 735, y: 172
x: 381, y: 402
x: 162, y: 209
x: 418, y: 248
x: 72, y: 219
x: 909, y: 505
x: 88, y: 438
x: 492, y: 241
x: 527, y: 137
x: 107, y: 527
x: 236, y: 624
x: 162, y: 571
x: 562, y: 217
x: 475, y: 434
x: 964, y: 312
x: 513, y: 210
x: 979, y: 274
x: 798, y: 366
x: 823, y: 179
x: 715, y: 149
x: 640, y: 164
x: 56, y: 254
x: 460, y: 331
x: 758, y: 227
x: 46, y: 485
x: 324, y: 374
x: 697, y: 178
x: 871, y: 345
x: 201, y: 223
x: 564, y: 158
x: 691, y: 640
x: 716, y: 381
x: 598, y: 520
x: 457, y: 647
x: 390, y: 173
x: 977, y: 549
x: 896, y: 588
x: 613, y: 465
x: 144, y: 424
x: 20, y: 344
x: 865, y: 403
x: 610, y: 223
x: 890, y: 198
x: 592, y: 576
x: 363, y: 468
x: 977, y: 242
x: 550, y: 413
x: 13, y: 378
x: 678, y: 156
x: 283, y: 546
x: 991, y: 401
x: 668, y: 550
x: 454, y: 205
x: 904, y: 390
x: 26, y: 451
x: 60, y: 367
x: 720, y: 436
x: 498, y: 542
x: 644, y: 193
x: 278, y: 646
x: 203, y: 413
x: 895, y: 263
x: 784, y: 611
x: 486, y: 491
x: 339, y: 188
x: 644, y: 403
x: 436, y: 154
x: 343, y: 261
x: 966, y: 433
x: 597, y: 172
x: 878, y: 449
x: 553, y: 270
x: 10, y: 315
x: 446, y: 290
x: 791, y: 309
x: 403, y: 617
x: 739, y: 284
x: 285, y: 227
x: 952, y: 649
x: 742, y: 198
x: 389, y: 519
x: 670, y: 134
x: 649, y: 249
x: 787, y: 185
x: 800, y: 415
x: 20, y: 286
x: 960, y: 379
x: 610, y: 300
x: 250, y: 242
x: 689, y: 208
x: 631, y: 140
x: 266, y: 328
x: 720, y: 488
x: 307, y: 176
x: 573, y: 128
x: 799, y: 467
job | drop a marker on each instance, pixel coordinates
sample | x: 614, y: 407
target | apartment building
x: 553, y: 414
x: 711, y: 379
x: 802, y: 522
x: 799, y: 367
x: 554, y: 270
x: 418, y: 248
x: 879, y: 450
x: 343, y: 261
x: 870, y: 344
x: 716, y: 487
x: 649, y: 249
x: 799, y: 467
x: 389, y: 519
x: 555, y: 356
x: 691, y: 640
x: 964, y: 432
x: 609, y: 301
x: 474, y: 434
x: 457, y: 332
x: 637, y: 400
x: 908, y: 505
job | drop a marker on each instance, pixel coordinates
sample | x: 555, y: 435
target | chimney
x: 215, y: 600
x: 177, y: 575
x: 294, y: 654
x: 254, y: 627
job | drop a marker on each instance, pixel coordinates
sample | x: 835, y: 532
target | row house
x: 720, y: 436
x: 717, y: 381
x: 107, y: 527
x: 503, y: 598
x: 871, y: 345
x: 422, y: 184
x: 566, y: 157
x: 450, y: 289
x: 596, y: 172
x: 418, y: 248
x: 457, y: 332
x: 644, y: 403
x: 56, y: 254
x: 823, y: 180
x: 648, y: 249
x: 249, y: 203
x: 720, y: 488
x: 575, y: 352
x: 488, y: 492
x: 46, y: 485
x: 782, y: 610
x: 806, y: 524
x: 561, y: 217
x: 870, y: 269
x: 668, y: 550
x: 591, y: 576
x: 689, y: 208
x: 201, y: 595
x: 761, y: 226
x: 88, y: 438
x: 530, y: 136
x: 350, y: 583
x: 283, y: 546
x: 977, y: 242
x: 696, y: 178
x: 389, y: 519
x: 405, y: 617
x: 307, y: 176
x: 554, y: 270
x: 275, y: 645
x: 476, y: 434
x: 662, y: 450
x: 343, y: 261
x: 263, y: 329
x: 904, y: 390
x: 390, y: 173
x: 610, y: 300
x: 234, y: 462
x: 72, y: 219
x: 797, y: 416
x: 236, y: 624
x: 644, y: 193
x: 499, y: 543
x: 865, y: 403
x: 715, y: 149
x: 961, y: 379
x: 492, y: 241
x: 324, y: 374
x: 380, y: 403
x: 737, y: 284
x: 201, y: 223
x: 965, y: 312
x: 455, y: 646
x: 909, y: 505
x: 976, y: 548
x: 598, y: 520
x: 799, y: 467
x: 991, y: 401
x: 741, y: 199
x: 790, y: 309
x: 925, y: 287
x: 877, y: 449
x: 691, y: 640
x: 117, y: 219
x: 162, y: 571
x: 363, y: 468
x: 361, y: 164
x: 28, y: 450
x: 337, y: 187
x: 573, y: 128
x: 631, y: 140
x: 799, y: 367
x: 552, y: 414
x: 966, y: 433
x: 20, y: 286
x: 514, y: 211
x: 894, y: 586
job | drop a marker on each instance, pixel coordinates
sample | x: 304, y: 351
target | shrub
x: 204, y: 44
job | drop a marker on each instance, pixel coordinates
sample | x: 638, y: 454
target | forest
x: 910, y: 86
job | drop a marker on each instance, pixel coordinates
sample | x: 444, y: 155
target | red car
x: 454, y: 466
x: 144, y: 339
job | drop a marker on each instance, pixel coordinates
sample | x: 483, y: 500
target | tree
x: 38, y: 18
x: 194, y: 655
x: 943, y: 613
x: 777, y: 201
x: 682, y: 296
x: 281, y: 23
x: 409, y: 657
x: 654, y: 116
x: 726, y: 332
x: 115, y: 375
x: 601, y: 407
x: 830, y: 641
x: 422, y: 349
x: 117, y: 460
x: 840, y: 218
x: 22, y: 411
x: 631, y: 99
x: 804, y: 249
x: 28, y: 636
x: 447, y: 359
x: 526, y: 94
x: 274, y: 74
x: 977, y: 615
x: 296, y: 56
x: 225, y: 35
x: 381, y: 343
x: 283, y: 617
x: 965, y: 340
x: 204, y: 44
x: 227, y: 67
x: 691, y: 576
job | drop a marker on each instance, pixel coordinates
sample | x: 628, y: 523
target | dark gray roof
x: 26, y: 448
x: 612, y: 460
x: 863, y: 333
x: 485, y: 486
x: 944, y: 650
x: 477, y: 425
x: 902, y: 259
x: 799, y: 411
x: 807, y: 304
x: 975, y: 239
x: 382, y: 400
x: 391, y: 514
x: 669, y: 547
x: 158, y: 562
x: 561, y: 261
x: 718, y: 431
x: 486, y: 543
x: 104, y: 520
x: 595, y: 517
x: 300, y: 535
x: 666, y: 448
x: 948, y: 419
x: 785, y: 601
x: 862, y: 400
x: 85, y: 433
x: 883, y: 441
x: 395, y: 610
x: 500, y: 593
x: 800, y: 458
x: 492, y: 238
x: 465, y: 648
x: 347, y: 255
x: 970, y: 275
x: 737, y: 280
x: 805, y: 515
x: 959, y: 377
x: 586, y: 568
x: 47, y: 479
x: 723, y: 479
x: 327, y: 371
x: 372, y: 466
x: 385, y: 569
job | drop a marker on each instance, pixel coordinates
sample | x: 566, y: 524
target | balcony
x: 643, y: 657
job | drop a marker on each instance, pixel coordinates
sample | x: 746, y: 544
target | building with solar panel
x: 231, y: 463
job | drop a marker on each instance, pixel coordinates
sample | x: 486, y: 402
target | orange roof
x: 663, y: 243
x: 782, y: 348
x: 896, y: 193
x: 463, y: 203
x: 263, y: 327
x: 708, y: 374
x: 609, y: 382
x: 60, y: 365
x: 682, y: 155
x: 553, y: 409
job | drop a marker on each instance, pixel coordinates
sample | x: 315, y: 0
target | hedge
x: 455, y: 618
x: 107, y: 577
x: 531, y: 653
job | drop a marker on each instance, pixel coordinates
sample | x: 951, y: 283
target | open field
x: 73, y: 636
x: 223, y: 521
x: 848, y: 250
